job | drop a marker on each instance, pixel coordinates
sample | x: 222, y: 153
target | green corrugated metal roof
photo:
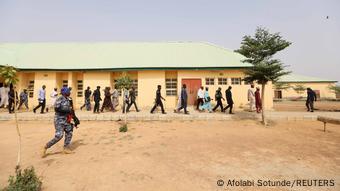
x: 108, y: 55
x: 301, y: 78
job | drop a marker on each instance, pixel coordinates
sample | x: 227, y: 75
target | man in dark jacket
x: 218, y: 98
x: 11, y: 96
x: 158, y: 100
x: 132, y: 95
x: 87, y: 101
x: 184, y: 99
x: 97, y: 99
x: 230, y: 101
x: 311, y: 97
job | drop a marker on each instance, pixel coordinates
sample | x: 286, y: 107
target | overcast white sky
x: 315, y: 50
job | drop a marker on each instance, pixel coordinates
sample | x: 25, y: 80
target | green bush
x: 24, y: 181
x: 123, y: 128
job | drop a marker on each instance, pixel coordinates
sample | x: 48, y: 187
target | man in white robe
x: 4, y: 96
x: 251, y: 97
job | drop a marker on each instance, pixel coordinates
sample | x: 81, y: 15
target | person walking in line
x: 23, y: 99
x: 200, y: 97
x: 132, y: 96
x: 53, y: 97
x: 184, y: 99
x: 218, y: 98
x: 97, y: 98
x: 11, y: 97
x: 107, y: 104
x: 311, y: 97
x: 230, y: 101
x: 251, y: 98
x: 258, y: 102
x: 125, y: 99
x: 115, y: 98
x: 206, y: 101
x: 158, y: 100
x: 87, y: 99
x: 4, y: 96
x: 41, y: 99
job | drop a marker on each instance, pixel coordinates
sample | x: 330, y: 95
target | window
x: 171, y: 86
x: 65, y: 83
x: 209, y: 81
x: 222, y: 81
x: 135, y: 85
x: 80, y: 88
x: 236, y: 81
x: 30, y: 88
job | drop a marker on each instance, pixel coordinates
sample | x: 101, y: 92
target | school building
x: 318, y: 85
x: 169, y: 64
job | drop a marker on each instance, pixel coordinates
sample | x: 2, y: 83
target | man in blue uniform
x: 62, y: 122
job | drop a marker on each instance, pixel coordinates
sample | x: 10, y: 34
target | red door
x: 192, y: 87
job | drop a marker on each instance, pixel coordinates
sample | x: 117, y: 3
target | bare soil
x: 301, y: 106
x: 176, y: 155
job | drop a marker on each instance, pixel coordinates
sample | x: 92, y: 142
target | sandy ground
x: 176, y: 155
x: 301, y: 106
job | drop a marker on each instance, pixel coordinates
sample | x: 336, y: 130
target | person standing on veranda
x: 251, y: 98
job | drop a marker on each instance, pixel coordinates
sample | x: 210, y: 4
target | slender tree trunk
x: 18, y: 132
x: 264, y: 120
x: 125, y: 106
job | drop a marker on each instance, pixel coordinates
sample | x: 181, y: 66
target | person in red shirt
x: 258, y: 102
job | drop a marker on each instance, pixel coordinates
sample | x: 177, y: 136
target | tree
x: 259, y: 51
x: 335, y: 89
x: 299, y: 88
x: 124, y: 83
x: 282, y: 86
x: 9, y: 73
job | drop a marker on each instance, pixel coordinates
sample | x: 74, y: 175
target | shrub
x: 123, y: 128
x: 24, y: 181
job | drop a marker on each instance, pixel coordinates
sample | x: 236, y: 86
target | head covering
x: 65, y: 91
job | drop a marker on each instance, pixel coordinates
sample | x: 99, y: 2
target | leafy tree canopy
x: 9, y: 73
x: 259, y: 51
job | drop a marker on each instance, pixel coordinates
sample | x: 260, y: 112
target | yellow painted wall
x: 239, y: 91
x: 323, y: 87
x: 147, y: 84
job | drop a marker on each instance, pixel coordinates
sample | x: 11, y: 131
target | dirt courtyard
x: 176, y: 155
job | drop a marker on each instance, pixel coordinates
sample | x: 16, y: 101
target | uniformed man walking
x: 158, y: 100
x: 62, y: 122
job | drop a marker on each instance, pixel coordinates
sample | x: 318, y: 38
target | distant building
x: 319, y: 85
x: 170, y: 65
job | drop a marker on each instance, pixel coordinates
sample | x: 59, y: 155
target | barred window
x: 209, y: 81
x: 80, y: 88
x: 236, y: 81
x: 65, y: 83
x: 171, y: 86
x: 222, y: 81
x: 135, y: 85
x: 30, y: 88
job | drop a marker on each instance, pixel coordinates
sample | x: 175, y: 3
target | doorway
x: 192, y: 87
